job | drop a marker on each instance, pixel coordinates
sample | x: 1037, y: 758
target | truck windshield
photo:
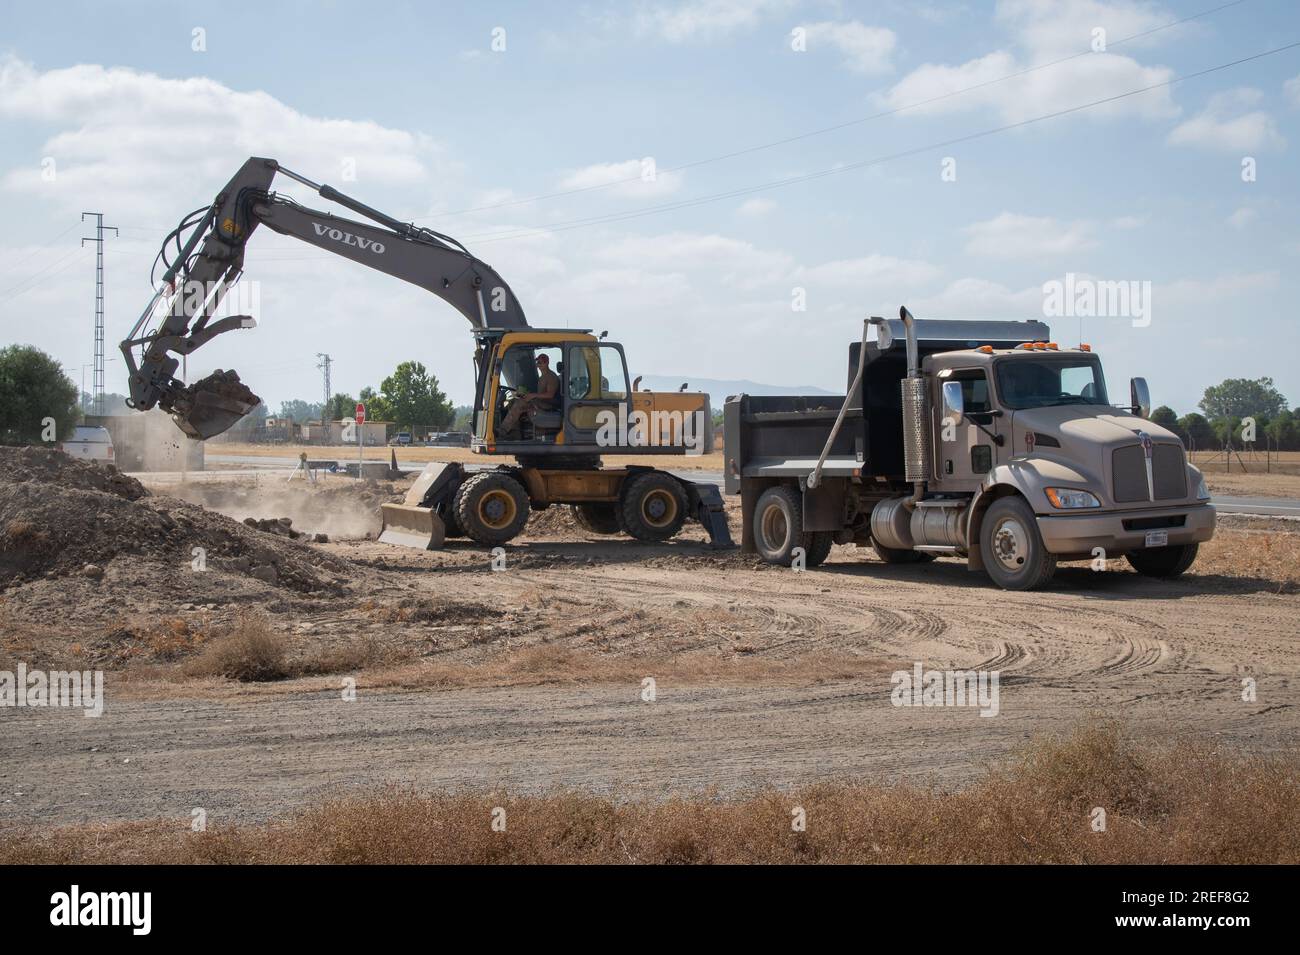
x: 1038, y: 383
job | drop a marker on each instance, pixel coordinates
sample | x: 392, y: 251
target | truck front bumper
x: 1121, y: 531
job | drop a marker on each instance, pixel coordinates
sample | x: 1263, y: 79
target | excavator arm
x: 209, y: 258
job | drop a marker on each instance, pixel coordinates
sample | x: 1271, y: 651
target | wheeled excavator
x: 557, y: 451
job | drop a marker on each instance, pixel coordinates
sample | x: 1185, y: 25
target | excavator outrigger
x: 557, y: 452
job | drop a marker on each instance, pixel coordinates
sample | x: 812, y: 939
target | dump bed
x: 782, y: 436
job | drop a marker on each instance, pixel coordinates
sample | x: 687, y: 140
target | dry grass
x: 1268, y: 554
x: 1187, y: 803
x: 248, y: 651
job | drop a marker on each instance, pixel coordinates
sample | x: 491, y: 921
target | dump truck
x: 985, y: 441
x: 556, y: 447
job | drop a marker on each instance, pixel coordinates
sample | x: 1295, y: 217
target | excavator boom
x: 210, y: 259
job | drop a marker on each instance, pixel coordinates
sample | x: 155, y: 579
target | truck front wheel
x: 1163, y: 562
x: 1015, y: 557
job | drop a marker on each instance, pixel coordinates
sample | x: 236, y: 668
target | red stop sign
x: 361, y: 413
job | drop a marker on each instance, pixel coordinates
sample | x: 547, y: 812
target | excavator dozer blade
x: 212, y: 404
x: 409, y: 525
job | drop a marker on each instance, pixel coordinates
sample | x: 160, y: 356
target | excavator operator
x: 548, y: 387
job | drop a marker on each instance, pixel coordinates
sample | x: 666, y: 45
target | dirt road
x: 1168, y: 658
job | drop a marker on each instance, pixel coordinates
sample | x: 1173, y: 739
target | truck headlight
x: 1068, y: 498
x: 1202, y: 492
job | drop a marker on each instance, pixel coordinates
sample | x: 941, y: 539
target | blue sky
x: 434, y: 121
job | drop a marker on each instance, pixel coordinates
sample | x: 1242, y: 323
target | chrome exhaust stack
x: 916, y: 416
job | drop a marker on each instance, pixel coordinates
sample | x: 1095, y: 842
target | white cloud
x: 866, y: 271
x: 704, y: 19
x: 1050, y: 29
x: 720, y: 258
x: 1126, y: 223
x: 1292, y: 90
x: 633, y: 178
x: 1229, y: 124
x: 978, y: 298
x: 1013, y: 236
x: 1042, y: 32
x: 1195, y: 294
x: 1242, y: 217
x: 756, y: 206
x: 157, y: 145
x: 866, y: 50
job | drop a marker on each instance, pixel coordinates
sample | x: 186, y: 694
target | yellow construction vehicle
x: 557, y: 445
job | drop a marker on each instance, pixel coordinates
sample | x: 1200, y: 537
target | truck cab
x: 980, y: 440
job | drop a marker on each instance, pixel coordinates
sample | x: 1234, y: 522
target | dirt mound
x: 48, y: 466
x: 61, y: 518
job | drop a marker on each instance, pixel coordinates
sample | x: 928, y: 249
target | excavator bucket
x: 415, y: 522
x: 212, y: 404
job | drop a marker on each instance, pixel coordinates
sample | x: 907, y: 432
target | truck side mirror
x: 954, y: 405
x: 1140, y: 397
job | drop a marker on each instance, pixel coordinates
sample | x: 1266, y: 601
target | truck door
x: 968, y: 449
x: 596, y: 393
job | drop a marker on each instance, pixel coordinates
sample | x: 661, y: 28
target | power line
x: 570, y: 224
x: 815, y: 132
x: 838, y: 126
x: 41, y: 248
x: 31, y: 283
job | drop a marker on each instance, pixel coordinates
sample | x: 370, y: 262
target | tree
x: 415, y: 399
x: 463, y: 419
x: 377, y: 406
x: 1200, y: 435
x: 1241, y: 397
x: 341, y: 406
x: 1166, y: 417
x: 33, y: 388
x: 300, y: 411
x: 1284, y: 431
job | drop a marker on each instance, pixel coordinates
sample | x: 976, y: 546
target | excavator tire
x: 491, y: 508
x: 598, y: 517
x: 653, y: 506
x: 451, y: 522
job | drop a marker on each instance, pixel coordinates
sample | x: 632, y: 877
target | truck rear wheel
x: 1165, y: 563
x: 653, y: 506
x: 1015, y: 557
x: 778, y: 529
x: 492, y: 507
x: 598, y: 517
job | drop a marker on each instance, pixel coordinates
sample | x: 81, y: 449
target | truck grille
x: 1168, y: 472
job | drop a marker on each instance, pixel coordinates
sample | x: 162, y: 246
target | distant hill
x: 719, y: 388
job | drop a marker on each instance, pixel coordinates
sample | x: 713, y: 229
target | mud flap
x: 416, y: 521
x: 709, y: 511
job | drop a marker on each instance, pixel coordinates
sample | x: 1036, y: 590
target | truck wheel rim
x: 497, y: 509
x: 658, y: 508
x: 775, y: 528
x: 1010, y: 543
